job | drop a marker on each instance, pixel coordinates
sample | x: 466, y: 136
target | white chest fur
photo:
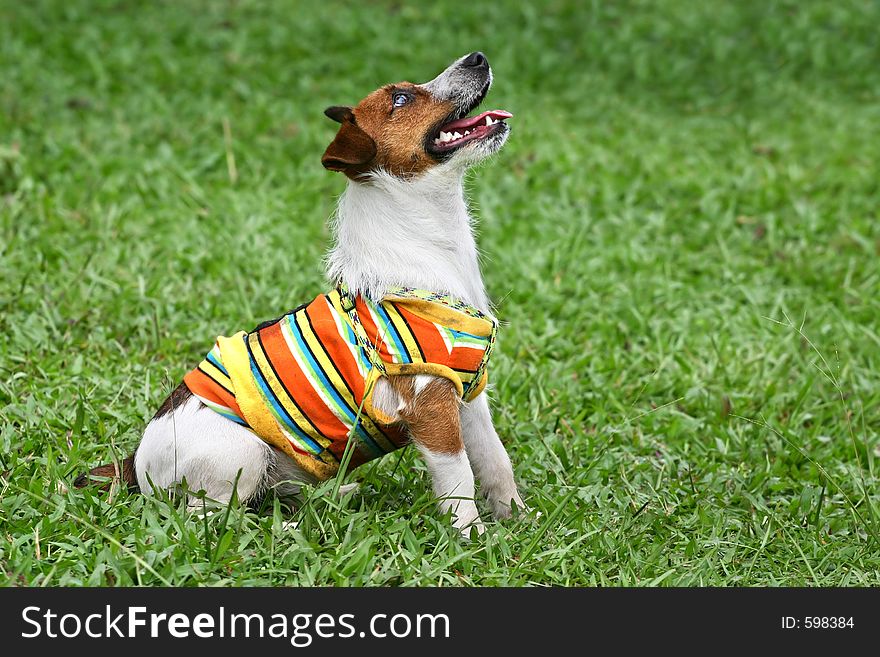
x: 418, y: 233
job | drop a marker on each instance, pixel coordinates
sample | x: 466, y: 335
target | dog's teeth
x: 456, y: 135
x: 489, y: 120
x: 436, y: 142
x: 445, y: 136
x: 467, y: 132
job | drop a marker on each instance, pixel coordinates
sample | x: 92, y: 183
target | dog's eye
x: 399, y: 100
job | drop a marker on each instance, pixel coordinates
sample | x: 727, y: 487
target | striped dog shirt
x: 304, y: 382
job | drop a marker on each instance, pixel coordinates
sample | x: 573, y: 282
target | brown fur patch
x: 432, y: 416
x: 176, y: 399
x: 399, y: 134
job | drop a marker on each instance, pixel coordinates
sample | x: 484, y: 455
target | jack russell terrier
x: 396, y: 352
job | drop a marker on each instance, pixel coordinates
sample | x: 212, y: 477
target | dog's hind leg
x: 192, y: 443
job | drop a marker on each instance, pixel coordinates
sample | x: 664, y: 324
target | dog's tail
x: 108, y: 475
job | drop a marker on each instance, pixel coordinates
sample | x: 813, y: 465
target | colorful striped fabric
x: 304, y: 382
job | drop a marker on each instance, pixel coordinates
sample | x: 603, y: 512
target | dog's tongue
x: 468, y: 121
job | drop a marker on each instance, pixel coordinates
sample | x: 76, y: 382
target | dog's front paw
x: 466, y: 518
x: 502, y: 506
x: 467, y: 530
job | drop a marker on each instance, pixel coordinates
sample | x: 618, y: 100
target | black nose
x: 476, y: 60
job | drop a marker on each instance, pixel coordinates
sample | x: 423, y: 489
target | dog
x: 396, y: 353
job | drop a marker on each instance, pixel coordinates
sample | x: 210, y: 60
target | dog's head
x: 406, y: 129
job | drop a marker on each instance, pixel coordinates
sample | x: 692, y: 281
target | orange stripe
x: 337, y: 350
x: 428, y: 337
x: 466, y: 359
x: 202, y: 385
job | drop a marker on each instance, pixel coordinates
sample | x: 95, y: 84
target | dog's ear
x: 352, y: 146
x: 339, y: 113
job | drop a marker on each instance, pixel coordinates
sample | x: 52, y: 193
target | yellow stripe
x: 338, y: 383
x: 409, y: 339
x: 281, y: 394
x: 335, y: 300
x: 256, y: 414
x: 211, y: 370
x: 444, y: 315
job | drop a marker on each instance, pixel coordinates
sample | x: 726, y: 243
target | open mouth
x: 451, y: 136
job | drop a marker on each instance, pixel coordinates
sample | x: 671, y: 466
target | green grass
x: 681, y: 236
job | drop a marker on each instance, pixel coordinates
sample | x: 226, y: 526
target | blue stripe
x: 216, y: 363
x: 269, y: 397
x: 391, y: 330
x: 317, y: 371
x: 231, y: 416
x: 469, y: 335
